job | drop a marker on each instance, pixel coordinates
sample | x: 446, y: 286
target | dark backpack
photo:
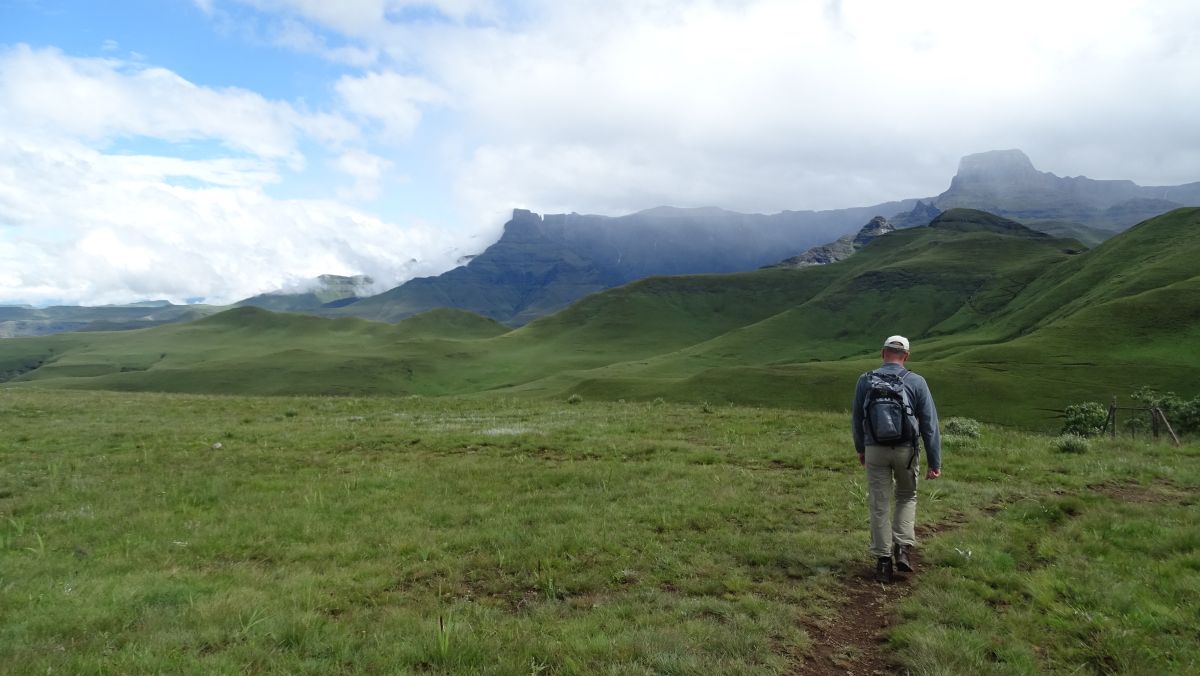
x: 887, y: 410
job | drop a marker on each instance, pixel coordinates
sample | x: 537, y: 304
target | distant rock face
x: 1005, y: 182
x: 842, y: 249
x: 876, y: 227
x: 542, y: 264
x: 921, y: 214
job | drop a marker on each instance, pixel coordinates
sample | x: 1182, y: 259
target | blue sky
x: 220, y: 148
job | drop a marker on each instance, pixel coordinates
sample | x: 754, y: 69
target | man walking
x: 892, y: 409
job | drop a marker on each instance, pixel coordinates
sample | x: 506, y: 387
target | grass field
x: 198, y: 534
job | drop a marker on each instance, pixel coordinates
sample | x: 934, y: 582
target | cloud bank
x: 82, y: 224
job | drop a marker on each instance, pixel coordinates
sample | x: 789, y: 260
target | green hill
x: 1007, y: 323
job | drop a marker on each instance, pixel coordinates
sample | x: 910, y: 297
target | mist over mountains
x: 1005, y: 182
x: 542, y: 264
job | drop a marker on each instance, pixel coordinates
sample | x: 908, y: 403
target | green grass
x: 505, y: 536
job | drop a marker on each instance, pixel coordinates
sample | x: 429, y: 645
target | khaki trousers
x: 892, y: 472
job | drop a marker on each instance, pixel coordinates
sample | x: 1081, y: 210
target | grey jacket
x: 922, y: 401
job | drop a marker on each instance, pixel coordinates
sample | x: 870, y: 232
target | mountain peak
x: 524, y: 225
x: 996, y: 163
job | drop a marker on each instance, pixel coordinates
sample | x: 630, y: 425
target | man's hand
x: 933, y: 474
x: 862, y: 459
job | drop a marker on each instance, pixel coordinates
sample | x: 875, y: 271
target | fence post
x: 1170, y: 431
x: 1112, y: 415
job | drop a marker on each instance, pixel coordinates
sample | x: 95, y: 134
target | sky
x: 210, y: 150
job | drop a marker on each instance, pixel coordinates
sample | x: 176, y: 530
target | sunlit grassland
x: 178, y: 533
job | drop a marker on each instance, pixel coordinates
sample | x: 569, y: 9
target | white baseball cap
x: 896, y: 343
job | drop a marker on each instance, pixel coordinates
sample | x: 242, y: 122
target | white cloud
x: 80, y: 223
x: 391, y: 100
x: 297, y: 36
x: 85, y: 227
x: 372, y: 18
x: 104, y: 99
x: 772, y: 104
x: 368, y: 172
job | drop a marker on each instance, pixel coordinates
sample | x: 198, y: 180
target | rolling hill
x: 1007, y: 323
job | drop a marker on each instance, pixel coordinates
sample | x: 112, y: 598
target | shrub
x: 1186, y: 418
x: 1085, y: 420
x: 1183, y: 414
x: 963, y: 427
x: 575, y: 399
x: 1072, y: 443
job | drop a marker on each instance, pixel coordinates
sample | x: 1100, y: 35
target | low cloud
x: 82, y: 223
x: 137, y: 229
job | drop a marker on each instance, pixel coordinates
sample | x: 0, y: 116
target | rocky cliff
x: 542, y: 264
x: 842, y: 249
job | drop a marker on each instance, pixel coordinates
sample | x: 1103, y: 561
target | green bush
x: 1183, y: 414
x: 575, y: 399
x: 1086, y: 419
x: 1072, y: 443
x: 963, y: 427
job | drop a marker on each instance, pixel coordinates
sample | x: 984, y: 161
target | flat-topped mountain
x: 1005, y: 182
x: 542, y: 264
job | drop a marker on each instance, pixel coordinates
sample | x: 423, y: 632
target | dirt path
x: 853, y: 641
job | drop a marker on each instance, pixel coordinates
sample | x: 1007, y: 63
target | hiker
x: 892, y: 410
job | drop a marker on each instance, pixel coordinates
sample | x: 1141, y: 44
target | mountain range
x: 542, y: 264
x: 1008, y: 323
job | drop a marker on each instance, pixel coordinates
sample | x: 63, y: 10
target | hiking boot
x: 900, y: 553
x: 883, y: 569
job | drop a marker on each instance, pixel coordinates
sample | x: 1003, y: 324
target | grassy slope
x: 251, y: 350
x: 1057, y: 330
x: 1088, y: 235
x: 1006, y: 322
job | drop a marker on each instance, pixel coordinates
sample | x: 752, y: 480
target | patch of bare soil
x: 853, y: 641
x: 1156, y: 493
